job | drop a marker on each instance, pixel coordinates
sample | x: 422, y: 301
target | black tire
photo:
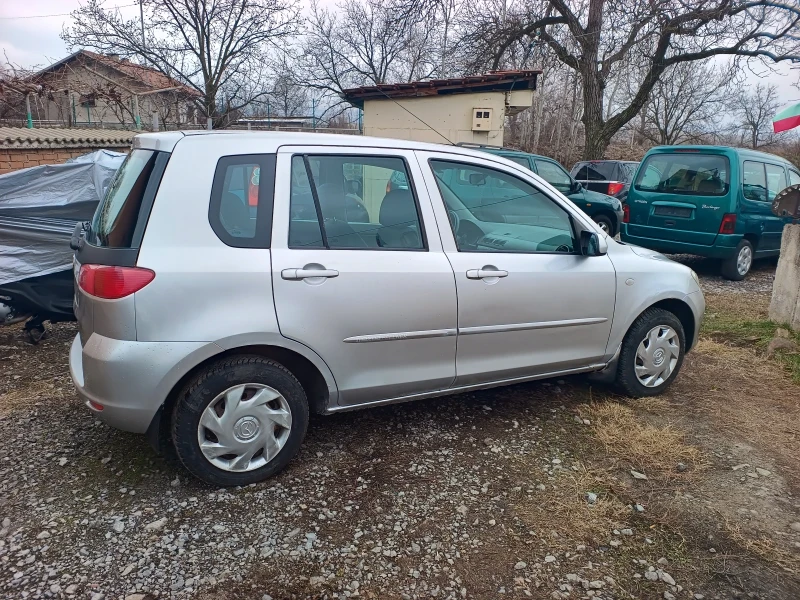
x: 206, y: 386
x: 627, y: 381
x: 730, y: 266
x: 606, y: 223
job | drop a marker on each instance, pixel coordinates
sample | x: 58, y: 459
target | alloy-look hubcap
x: 744, y: 260
x: 657, y: 356
x: 244, y: 427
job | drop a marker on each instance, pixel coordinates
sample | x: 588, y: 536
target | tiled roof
x: 23, y: 138
x: 153, y: 79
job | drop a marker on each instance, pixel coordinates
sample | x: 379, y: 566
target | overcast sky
x: 30, y: 39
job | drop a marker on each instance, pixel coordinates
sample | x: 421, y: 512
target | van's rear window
x: 685, y: 173
x: 115, y: 219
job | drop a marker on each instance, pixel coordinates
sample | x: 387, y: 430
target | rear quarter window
x: 685, y: 173
x: 240, y: 209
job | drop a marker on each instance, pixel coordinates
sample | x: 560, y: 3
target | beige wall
x: 450, y: 115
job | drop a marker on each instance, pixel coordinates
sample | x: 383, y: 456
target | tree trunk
x: 596, y: 137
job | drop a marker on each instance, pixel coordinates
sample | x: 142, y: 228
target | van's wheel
x: 652, y: 353
x: 240, y: 421
x: 605, y: 224
x: 738, y: 266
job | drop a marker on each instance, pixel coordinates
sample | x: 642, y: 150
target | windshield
x: 685, y: 173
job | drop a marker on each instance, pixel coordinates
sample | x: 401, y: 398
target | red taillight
x: 626, y: 213
x: 96, y: 406
x: 112, y: 283
x: 728, y: 224
x: 614, y: 187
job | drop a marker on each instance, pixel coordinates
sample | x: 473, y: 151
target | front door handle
x: 485, y: 273
x: 295, y: 274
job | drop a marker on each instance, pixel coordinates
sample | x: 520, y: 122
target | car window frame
x: 766, y: 179
x: 344, y: 155
x: 794, y: 172
x: 267, y: 163
x: 460, y: 161
x: 764, y: 171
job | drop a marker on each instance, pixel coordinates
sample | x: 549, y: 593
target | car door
x: 362, y: 279
x: 756, y: 207
x: 776, y: 182
x: 528, y: 303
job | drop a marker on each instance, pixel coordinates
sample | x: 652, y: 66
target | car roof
x: 743, y: 152
x: 272, y: 140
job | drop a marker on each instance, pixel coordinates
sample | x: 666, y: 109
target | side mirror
x: 592, y: 244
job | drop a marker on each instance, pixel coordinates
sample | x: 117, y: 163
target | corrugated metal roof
x: 21, y: 137
x: 488, y: 82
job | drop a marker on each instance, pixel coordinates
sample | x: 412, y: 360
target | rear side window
x: 115, y: 219
x: 776, y: 181
x: 685, y: 173
x: 240, y: 210
x: 754, y: 181
x: 794, y: 177
x: 353, y: 202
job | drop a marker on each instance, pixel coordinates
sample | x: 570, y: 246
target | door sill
x: 467, y: 388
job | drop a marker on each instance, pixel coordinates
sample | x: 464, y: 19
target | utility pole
x: 28, y: 114
x: 141, y: 19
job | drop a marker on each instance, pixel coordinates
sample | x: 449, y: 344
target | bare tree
x: 597, y: 38
x: 754, y: 110
x: 217, y: 47
x: 686, y: 102
x: 364, y: 42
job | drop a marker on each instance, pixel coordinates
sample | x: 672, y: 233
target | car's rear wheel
x: 605, y: 224
x: 738, y: 266
x: 240, y: 421
x: 652, y: 354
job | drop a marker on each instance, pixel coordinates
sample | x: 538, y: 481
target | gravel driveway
x: 485, y: 495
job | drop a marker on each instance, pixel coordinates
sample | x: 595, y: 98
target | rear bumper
x: 129, y: 379
x: 724, y: 246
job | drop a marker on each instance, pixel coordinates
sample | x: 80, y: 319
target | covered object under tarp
x: 39, y: 208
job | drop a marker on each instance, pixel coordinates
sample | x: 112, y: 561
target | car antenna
x: 436, y: 131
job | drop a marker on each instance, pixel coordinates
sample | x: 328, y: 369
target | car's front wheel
x: 651, y: 354
x: 240, y: 421
x: 605, y: 224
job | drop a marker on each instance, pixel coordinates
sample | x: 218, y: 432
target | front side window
x: 554, y: 175
x: 685, y: 173
x: 754, y: 181
x: 353, y: 202
x: 776, y: 181
x: 493, y: 211
x: 794, y: 177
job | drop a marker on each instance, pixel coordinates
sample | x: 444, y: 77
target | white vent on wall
x: 481, y: 119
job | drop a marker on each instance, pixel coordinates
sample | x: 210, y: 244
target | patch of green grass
x: 742, y: 331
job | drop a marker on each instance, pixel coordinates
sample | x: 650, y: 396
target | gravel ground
x: 486, y: 495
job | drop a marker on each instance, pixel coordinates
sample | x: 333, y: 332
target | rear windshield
x: 115, y: 219
x: 595, y: 171
x: 685, y: 173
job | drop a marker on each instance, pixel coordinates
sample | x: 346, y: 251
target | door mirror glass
x: 591, y: 244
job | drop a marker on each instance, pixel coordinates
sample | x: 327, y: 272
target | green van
x: 710, y: 201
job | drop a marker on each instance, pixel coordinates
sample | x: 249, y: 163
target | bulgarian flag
x: 787, y: 119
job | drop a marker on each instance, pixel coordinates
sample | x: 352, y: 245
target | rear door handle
x: 295, y: 274
x: 485, y: 273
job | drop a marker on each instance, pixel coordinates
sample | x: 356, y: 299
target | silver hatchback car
x: 232, y: 282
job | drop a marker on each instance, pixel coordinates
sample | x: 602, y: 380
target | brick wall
x: 12, y: 159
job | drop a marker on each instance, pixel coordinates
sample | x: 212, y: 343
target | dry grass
x: 760, y: 546
x: 564, y: 509
x: 651, y: 449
